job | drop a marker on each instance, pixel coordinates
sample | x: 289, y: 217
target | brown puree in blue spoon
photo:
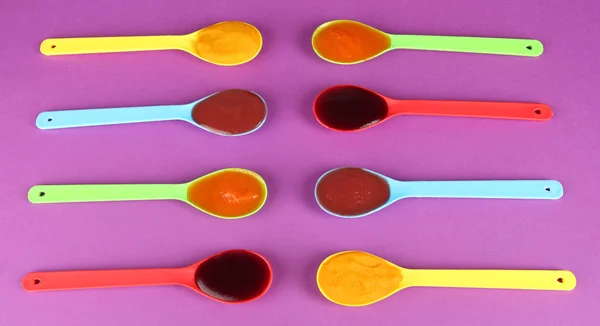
x: 231, y: 112
x: 351, y: 191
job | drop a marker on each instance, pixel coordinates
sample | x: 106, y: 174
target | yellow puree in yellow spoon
x: 353, y: 278
x: 229, y: 43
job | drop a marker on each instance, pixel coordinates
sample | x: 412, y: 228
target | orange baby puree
x: 349, y: 42
x: 230, y: 194
x: 229, y: 43
x: 356, y: 278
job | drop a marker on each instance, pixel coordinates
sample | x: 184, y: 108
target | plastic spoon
x: 232, y: 112
x: 356, y: 192
x: 227, y: 43
x: 356, y: 278
x: 241, y: 276
x: 353, y: 108
x: 350, y: 42
x: 228, y: 193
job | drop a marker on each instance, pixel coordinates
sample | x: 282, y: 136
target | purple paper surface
x: 291, y: 151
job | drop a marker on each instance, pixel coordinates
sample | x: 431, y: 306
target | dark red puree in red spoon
x: 235, y: 275
x: 352, y: 191
x: 232, y: 112
x: 349, y: 108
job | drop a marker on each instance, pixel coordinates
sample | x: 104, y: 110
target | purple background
x: 291, y: 151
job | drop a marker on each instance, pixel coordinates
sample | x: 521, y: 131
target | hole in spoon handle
x: 531, y: 48
x: 33, y: 282
x: 45, y: 120
x: 62, y: 46
x: 536, y: 111
x: 552, y: 189
x: 48, y: 47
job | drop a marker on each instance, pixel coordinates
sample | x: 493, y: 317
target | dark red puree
x: 234, y: 276
x: 352, y: 191
x: 349, y: 108
x: 232, y: 112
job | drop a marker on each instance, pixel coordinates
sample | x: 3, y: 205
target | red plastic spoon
x: 353, y: 108
x: 233, y: 276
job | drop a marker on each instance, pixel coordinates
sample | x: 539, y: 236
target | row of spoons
x: 349, y: 278
x: 236, y: 112
x: 340, y: 41
x: 345, y: 192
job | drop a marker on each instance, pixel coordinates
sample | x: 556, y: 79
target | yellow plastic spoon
x: 356, y: 278
x: 229, y: 193
x: 227, y: 43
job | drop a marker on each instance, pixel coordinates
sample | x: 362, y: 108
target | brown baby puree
x: 352, y: 191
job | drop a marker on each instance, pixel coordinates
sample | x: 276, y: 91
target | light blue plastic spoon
x: 499, y: 189
x: 231, y: 104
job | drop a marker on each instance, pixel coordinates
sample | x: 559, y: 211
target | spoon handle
x: 99, y: 117
x: 46, y: 281
x: 513, y: 189
x: 85, y: 45
x: 500, y: 110
x: 43, y: 194
x: 486, y: 45
x: 558, y: 280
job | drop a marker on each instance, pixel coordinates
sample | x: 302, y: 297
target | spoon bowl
x: 349, y: 42
x: 354, y: 108
x: 351, y: 192
x: 356, y: 278
x: 233, y: 276
x: 232, y: 112
x: 352, y: 42
x: 229, y: 193
x: 227, y: 43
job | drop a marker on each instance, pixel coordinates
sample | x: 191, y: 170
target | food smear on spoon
x: 348, y: 42
x: 356, y: 277
x: 229, y: 194
x: 351, y: 191
x: 231, y: 112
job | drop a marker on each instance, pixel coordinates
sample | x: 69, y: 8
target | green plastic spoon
x: 350, y: 42
x: 228, y: 193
